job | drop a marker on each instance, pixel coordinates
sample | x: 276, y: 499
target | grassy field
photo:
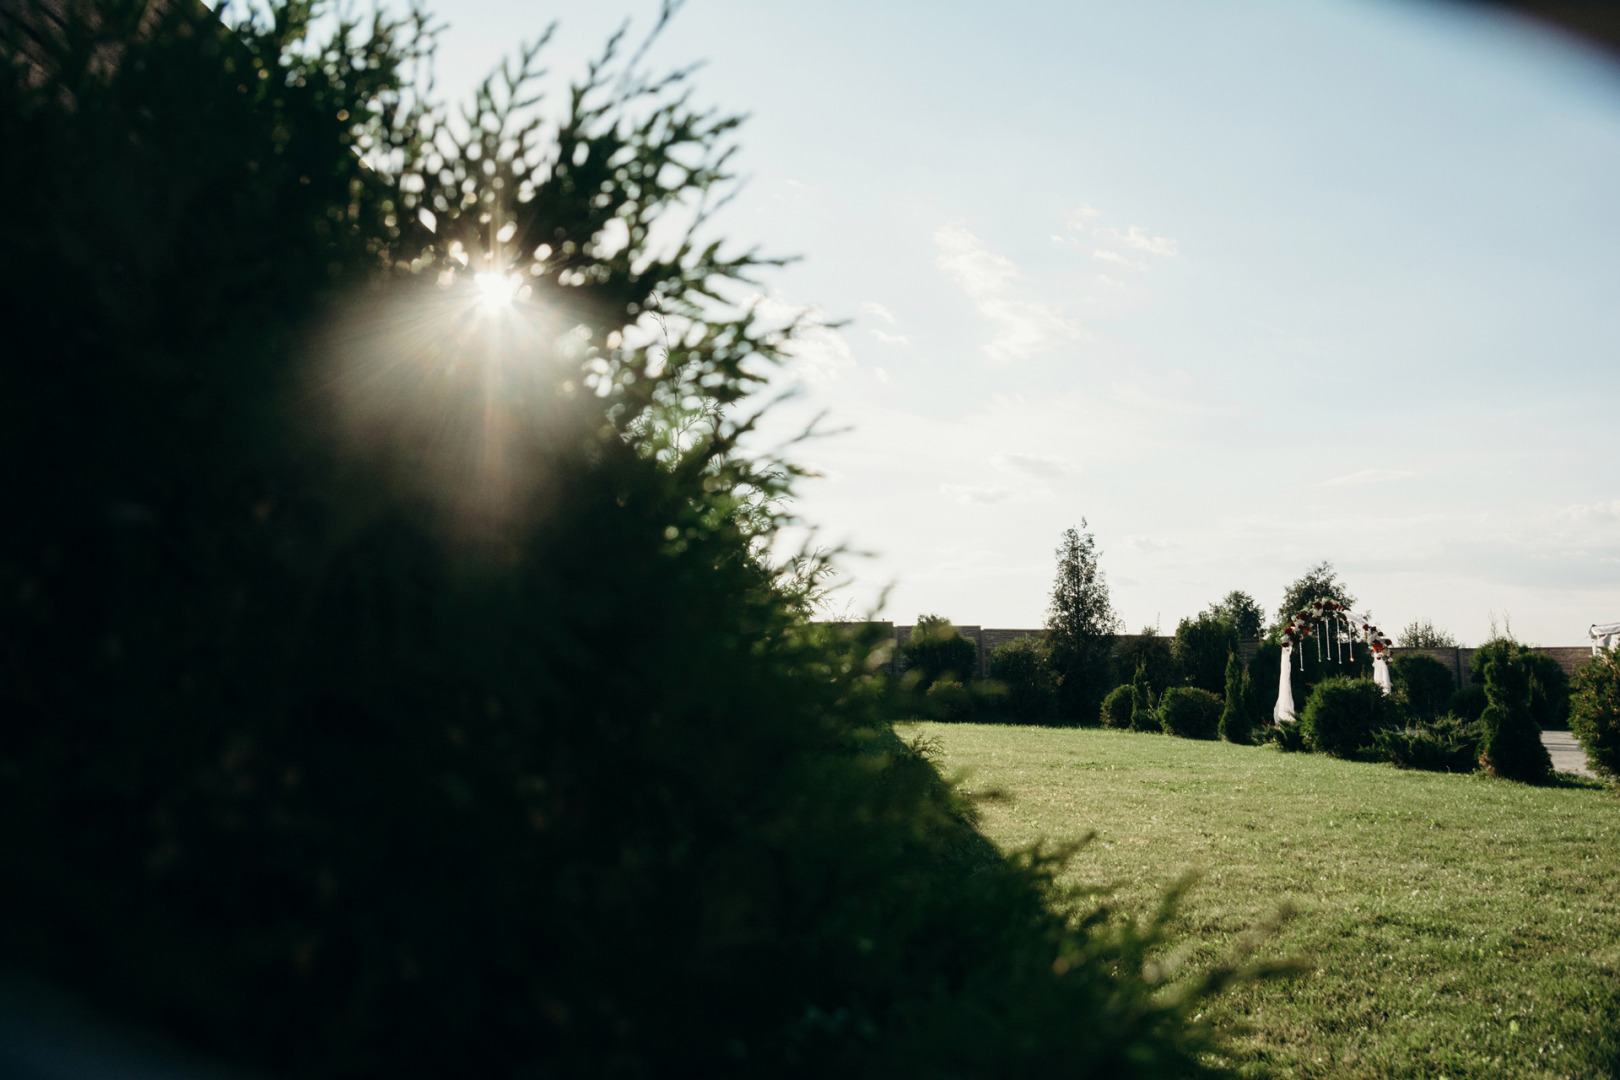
x: 1453, y: 926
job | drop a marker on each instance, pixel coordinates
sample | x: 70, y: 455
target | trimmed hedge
x: 1190, y: 712
x: 1510, y: 744
x: 1343, y: 714
x: 1117, y: 706
x: 1445, y: 746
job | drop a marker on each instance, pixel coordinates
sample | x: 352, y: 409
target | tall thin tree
x: 1080, y: 625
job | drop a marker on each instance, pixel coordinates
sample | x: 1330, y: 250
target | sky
x: 1241, y: 285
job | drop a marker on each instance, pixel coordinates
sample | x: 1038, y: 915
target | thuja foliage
x: 1118, y: 705
x: 1236, y: 720
x: 1549, y: 685
x: 472, y: 736
x: 1423, y: 683
x: 936, y: 650
x: 1143, y: 716
x: 1594, y: 714
x: 1200, y: 649
x: 1343, y: 714
x: 1510, y: 742
x: 1023, y: 669
x: 1190, y: 712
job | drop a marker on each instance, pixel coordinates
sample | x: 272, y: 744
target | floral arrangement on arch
x: 1322, y: 612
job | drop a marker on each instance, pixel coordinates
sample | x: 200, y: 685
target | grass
x: 1452, y: 926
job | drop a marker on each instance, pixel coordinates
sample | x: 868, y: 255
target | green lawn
x: 1453, y: 926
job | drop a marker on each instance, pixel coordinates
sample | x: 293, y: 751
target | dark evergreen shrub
x: 1594, y: 714
x: 1145, y: 650
x: 938, y: 651
x: 1342, y: 715
x: 1443, y: 746
x: 1200, y: 649
x: 1118, y: 705
x: 1468, y: 703
x: 1190, y: 712
x: 338, y: 744
x: 1549, y: 685
x: 1423, y: 683
x: 1510, y: 742
x: 1287, y: 737
x: 1237, y: 723
x: 1023, y: 667
x: 949, y: 700
x: 1143, y: 716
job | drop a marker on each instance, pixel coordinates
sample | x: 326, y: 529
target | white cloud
x: 1076, y: 219
x: 1162, y: 246
x: 1023, y: 325
x: 1364, y: 477
x: 890, y: 339
x: 968, y: 494
x: 1592, y: 512
x: 1036, y: 464
x: 872, y: 307
x: 1115, y: 257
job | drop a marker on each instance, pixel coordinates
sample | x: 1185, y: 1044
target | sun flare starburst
x: 497, y: 291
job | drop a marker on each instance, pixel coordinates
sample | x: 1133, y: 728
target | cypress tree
x: 1142, y: 717
x: 1236, y: 723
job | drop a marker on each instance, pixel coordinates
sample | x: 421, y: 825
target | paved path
x: 1567, y: 755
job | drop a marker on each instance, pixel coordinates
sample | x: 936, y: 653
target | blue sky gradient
x: 1246, y: 285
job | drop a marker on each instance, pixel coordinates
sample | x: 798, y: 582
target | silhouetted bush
x: 1145, y: 650
x: 1510, y: 742
x: 1443, y: 746
x: 1549, y: 685
x: 1190, y: 712
x: 1594, y: 714
x: 1237, y: 717
x: 1023, y: 667
x: 423, y: 715
x: 1342, y: 715
x: 1468, y: 703
x: 1117, y: 706
x: 1423, y: 683
x: 949, y: 700
x: 1200, y: 649
x: 938, y: 651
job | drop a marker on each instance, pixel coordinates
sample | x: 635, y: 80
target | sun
x: 496, y: 291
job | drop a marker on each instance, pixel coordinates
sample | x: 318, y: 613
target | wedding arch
x: 1336, y: 630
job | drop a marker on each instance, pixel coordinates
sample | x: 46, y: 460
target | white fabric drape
x: 1283, y: 713
x: 1381, y: 672
x: 1604, y: 636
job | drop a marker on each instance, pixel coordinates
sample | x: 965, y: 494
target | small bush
x: 1287, y: 737
x: 937, y: 651
x: 1190, y: 712
x: 1447, y: 745
x: 1510, y: 744
x: 1116, y: 707
x: 949, y: 700
x: 1467, y: 703
x: 1594, y: 714
x: 1342, y: 715
x: 1024, y: 668
x: 1424, y: 683
x: 1237, y: 719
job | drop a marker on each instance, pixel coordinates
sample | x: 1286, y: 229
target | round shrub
x: 1190, y: 712
x: 937, y: 650
x: 1594, y: 713
x: 1342, y: 715
x: 1024, y: 670
x: 1116, y: 707
x: 1510, y: 742
x: 1423, y: 682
